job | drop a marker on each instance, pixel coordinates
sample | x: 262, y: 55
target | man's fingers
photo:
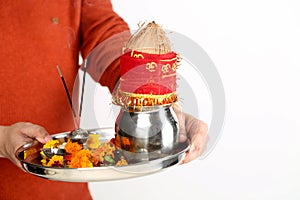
x: 197, y: 130
x: 198, y: 145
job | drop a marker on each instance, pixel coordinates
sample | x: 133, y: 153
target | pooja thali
x: 30, y: 158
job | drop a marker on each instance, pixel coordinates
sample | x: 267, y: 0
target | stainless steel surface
x: 80, y: 135
x: 155, y: 130
x: 32, y: 163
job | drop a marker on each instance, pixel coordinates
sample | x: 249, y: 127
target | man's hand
x: 14, y: 136
x: 193, y: 129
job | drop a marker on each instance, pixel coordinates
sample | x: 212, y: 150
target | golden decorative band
x: 138, y: 101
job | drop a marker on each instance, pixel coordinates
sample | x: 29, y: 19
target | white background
x: 255, y: 46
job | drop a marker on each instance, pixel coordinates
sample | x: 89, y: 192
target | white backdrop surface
x: 255, y: 46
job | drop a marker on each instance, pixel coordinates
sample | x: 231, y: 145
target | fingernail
x: 48, y: 138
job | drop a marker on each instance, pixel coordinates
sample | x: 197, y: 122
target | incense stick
x: 82, y: 89
x: 68, y: 94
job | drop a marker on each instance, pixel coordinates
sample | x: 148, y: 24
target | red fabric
x: 35, y: 36
x: 145, y: 73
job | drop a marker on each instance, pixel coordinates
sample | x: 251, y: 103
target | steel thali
x: 32, y: 164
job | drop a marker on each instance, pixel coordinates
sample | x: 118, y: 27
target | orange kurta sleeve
x: 102, y: 51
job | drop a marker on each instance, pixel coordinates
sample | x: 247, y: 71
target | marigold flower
x: 81, y: 159
x: 56, y: 161
x: 51, y: 144
x: 72, y: 147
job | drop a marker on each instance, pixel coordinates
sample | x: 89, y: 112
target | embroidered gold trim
x: 139, y: 101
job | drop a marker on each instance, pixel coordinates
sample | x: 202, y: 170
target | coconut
x: 150, y: 38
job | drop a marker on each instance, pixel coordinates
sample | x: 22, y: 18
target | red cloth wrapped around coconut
x: 148, y: 76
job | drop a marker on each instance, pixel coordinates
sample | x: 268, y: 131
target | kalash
x: 147, y: 124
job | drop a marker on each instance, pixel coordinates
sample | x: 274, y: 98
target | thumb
x: 37, y: 132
